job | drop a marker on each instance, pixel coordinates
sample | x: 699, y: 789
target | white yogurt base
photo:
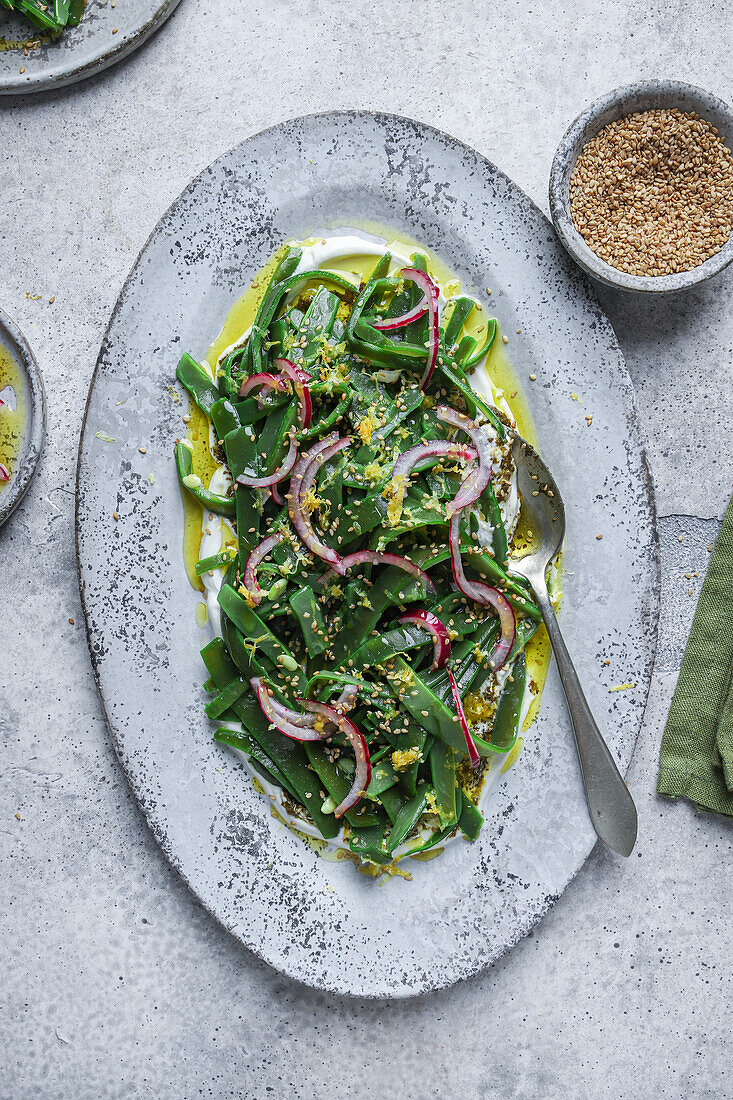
x: 319, y: 255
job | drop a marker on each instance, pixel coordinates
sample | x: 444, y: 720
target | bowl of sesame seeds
x: 641, y: 187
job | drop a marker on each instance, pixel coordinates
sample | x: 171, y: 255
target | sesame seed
x: 652, y: 193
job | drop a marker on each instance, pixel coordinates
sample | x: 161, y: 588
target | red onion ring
x: 437, y: 630
x: 293, y: 716
x: 300, y: 381
x: 470, y: 743
x: 250, y: 569
x: 288, y: 370
x: 432, y: 294
x: 272, y: 479
x: 275, y: 494
x: 478, y: 479
x: 265, y: 380
x: 292, y: 371
x: 389, y: 324
x: 363, y: 773
x: 4, y: 473
x: 375, y: 557
x: 284, y: 720
x: 304, y: 475
x: 343, y: 704
x: 483, y: 594
x: 438, y: 448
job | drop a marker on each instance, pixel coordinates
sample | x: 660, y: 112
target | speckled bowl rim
x: 642, y: 96
x: 69, y: 71
x: 19, y: 347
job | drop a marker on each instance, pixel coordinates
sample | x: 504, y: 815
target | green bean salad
x: 51, y: 16
x: 369, y: 641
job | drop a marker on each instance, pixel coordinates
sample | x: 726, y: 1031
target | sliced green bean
x: 191, y: 482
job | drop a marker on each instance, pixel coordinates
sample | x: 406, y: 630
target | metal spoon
x: 611, y: 807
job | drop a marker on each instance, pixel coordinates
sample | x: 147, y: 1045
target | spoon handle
x: 612, y: 810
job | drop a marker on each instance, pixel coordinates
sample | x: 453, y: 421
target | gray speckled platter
x: 80, y: 51
x: 321, y: 922
x: 23, y: 466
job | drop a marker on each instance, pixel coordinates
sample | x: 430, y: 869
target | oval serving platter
x: 318, y: 921
x: 105, y: 35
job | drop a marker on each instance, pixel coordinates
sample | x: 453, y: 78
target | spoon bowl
x: 542, y: 501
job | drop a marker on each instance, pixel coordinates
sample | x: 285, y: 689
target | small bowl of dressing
x: 22, y: 415
x: 641, y: 187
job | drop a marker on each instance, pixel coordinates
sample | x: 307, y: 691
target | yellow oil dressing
x: 236, y: 323
x: 205, y: 466
x: 498, y: 367
x: 13, y: 414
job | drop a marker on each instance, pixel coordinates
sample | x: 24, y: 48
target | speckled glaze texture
x: 646, y: 95
x: 24, y: 467
x: 321, y: 922
x: 105, y: 35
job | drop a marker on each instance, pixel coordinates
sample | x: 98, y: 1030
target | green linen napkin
x: 696, y: 760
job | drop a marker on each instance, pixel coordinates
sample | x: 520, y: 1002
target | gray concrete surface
x: 113, y: 981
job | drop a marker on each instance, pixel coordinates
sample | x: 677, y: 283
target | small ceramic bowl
x: 644, y: 96
x: 29, y: 383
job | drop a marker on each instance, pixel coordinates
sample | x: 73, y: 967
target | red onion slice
x: 437, y: 630
x: 288, y: 373
x: 478, y: 479
x: 292, y: 371
x: 250, y: 569
x: 275, y: 494
x: 508, y: 623
x: 470, y: 743
x: 293, y: 716
x: 467, y: 587
x: 343, y: 705
x: 272, y: 479
x: 265, y: 381
x: 437, y: 448
x: 375, y: 557
x: 284, y: 720
x: 300, y: 381
x: 409, y: 459
x: 4, y: 473
x: 483, y: 594
x: 432, y: 294
x: 389, y: 324
x: 304, y: 475
x: 363, y: 773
